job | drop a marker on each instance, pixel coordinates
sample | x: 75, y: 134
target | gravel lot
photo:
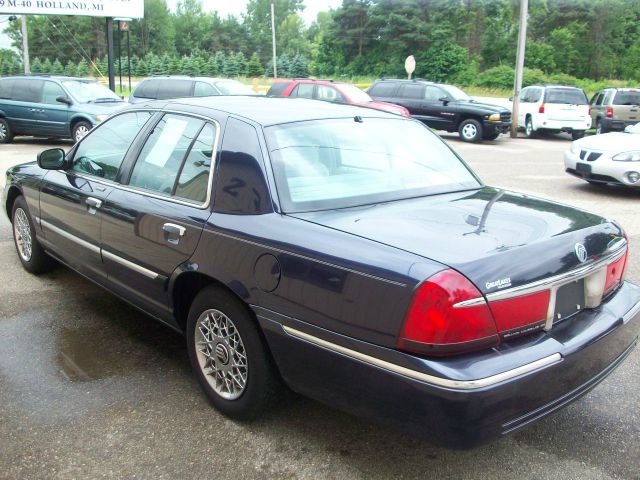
x: 90, y: 388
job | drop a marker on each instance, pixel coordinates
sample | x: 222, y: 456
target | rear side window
x: 277, y: 89
x: 382, y: 89
x: 160, y: 160
x: 102, y: 151
x: 147, y: 89
x: 535, y: 94
x: 303, y: 90
x: 241, y: 188
x: 571, y: 96
x: 174, y: 89
x: 597, y: 99
x: 629, y: 97
x: 27, y: 90
x: 6, y: 87
x: 329, y: 94
x: 203, y: 89
x: 193, y: 182
x: 415, y: 91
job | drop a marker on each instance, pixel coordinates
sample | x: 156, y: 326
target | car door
x: 22, y: 109
x: 441, y: 114
x: 71, y: 200
x: 411, y: 96
x: 53, y: 116
x: 153, y: 224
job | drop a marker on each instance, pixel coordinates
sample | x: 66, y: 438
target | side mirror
x: 444, y: 100
x: 51, y: 159
x: 65, y: 100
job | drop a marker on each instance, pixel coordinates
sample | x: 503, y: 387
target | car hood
x: 489, y: 235
x: 105, y: 108
x: 611, y: 142
x: 384, y: 106
x: 482, y: 107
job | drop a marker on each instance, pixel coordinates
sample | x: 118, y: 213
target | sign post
x: 410, y: 65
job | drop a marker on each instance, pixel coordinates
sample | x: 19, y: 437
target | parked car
x: 610, y: 158
x: 445, y: 107
x: 176, y: 86
x: 53, y: 106
x: 330, y: 91
x: 615, y: 109
x: 554, y: 109
x: 346, y: 251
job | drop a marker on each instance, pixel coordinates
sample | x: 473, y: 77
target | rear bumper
x: 563, y: 125
x: 458, y: 402
x: 611, y: 124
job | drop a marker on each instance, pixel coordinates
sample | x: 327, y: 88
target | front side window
x: 303, y: 90
x: 338, y: 163
x: 86, y: 91
x: 50, y: 92
x: 203, y: 89
x: 434, y: 94
x: 160, y: 160
x: 102, y: 151
x: 329, y: 94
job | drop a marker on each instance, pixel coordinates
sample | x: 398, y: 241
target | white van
x: 554, y: 108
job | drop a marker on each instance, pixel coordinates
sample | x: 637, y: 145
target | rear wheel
x: 6, y: 135
x: 31, y: 254
x: 80, y: 130
x: 528, y: 128
x: 470, y: 130
x: 600, y: 128
x: 577, y: 134
x: 229, y: 355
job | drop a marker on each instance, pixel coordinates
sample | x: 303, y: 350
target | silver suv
x: 615, y: 108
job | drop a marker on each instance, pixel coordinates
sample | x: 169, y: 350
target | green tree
x: 83, y: 68
x: 36, y: 66
x: 254, y: 68
x: 442, y: 62
x: 242, y: 64
x: 155, y: 32
x: 299, y: 67
x: 283, y: 63
x: 221, y: 62
x: 231, y: 66
x: 47, y: 66
x: 57, y: 67
x: 141, y: 68
x: 70, y: 69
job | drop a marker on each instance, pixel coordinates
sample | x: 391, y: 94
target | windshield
x: 571, y: 96
x: 338, y: 163
x: 629, y: 97
x: 354, y: 93
x: 86, y: 92
x: 456, y: 93
x: 234, y: 88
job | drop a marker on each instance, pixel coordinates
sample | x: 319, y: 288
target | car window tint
x: 174, y: 89
x: 277, y: 89
x: 51, y: 91
x: 329, y: 94
x: 6, y: 87
x: 203, y: 89
x: 193, y: 182
x: 571, y: 96
x: 629, y: 97
x: 382, y: 89
x: 535, y: 95
x: 101, y: 152
x: 415, y: 91
x: 147, y: 89
x: 303, y: 90
x: 434, y: 94
x: 27, y: 90
x: 161, y: 157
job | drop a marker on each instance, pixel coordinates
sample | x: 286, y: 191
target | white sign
x: 409, y: 64
x: 90, y: 8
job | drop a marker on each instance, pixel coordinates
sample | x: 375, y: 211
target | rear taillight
x: 519, y: 315
x: 615, y: 272
x: 439, y: 323
x: 609, y: 112
x: 541, y: 109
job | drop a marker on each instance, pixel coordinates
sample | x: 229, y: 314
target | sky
x: 223, y: 7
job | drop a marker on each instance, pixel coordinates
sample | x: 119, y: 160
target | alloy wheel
x: 469, y: 131
x: 3, y: 131
x: 221, y: 354
x: 22, y: 234
x: 81, y: 132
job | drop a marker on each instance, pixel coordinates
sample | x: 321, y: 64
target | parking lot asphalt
x: 91, y: 388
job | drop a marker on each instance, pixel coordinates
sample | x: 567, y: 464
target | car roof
x: 273, y: 110
x: 50, y: 77
x: 188, y: 77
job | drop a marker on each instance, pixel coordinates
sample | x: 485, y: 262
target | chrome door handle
x: 170, y: 232
x: 93, y: 204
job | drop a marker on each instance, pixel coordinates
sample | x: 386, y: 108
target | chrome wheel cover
x: 529, y: 128
x: 3, y: 131
x: 598, y: 128
x: 81, y: 132
x: 221, y: 354
x: 469, y: 130
x: 22, y: 234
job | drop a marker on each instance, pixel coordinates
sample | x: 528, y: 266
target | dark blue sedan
x: 345, y: 252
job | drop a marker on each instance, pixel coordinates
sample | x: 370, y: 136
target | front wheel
x: 80, y: 130
x: 577, y: 134
x: 229, y: 355
x: 31, y: 254
x: 470, y: 130
x: 6, y: 135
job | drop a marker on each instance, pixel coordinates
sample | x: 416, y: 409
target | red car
x: 330, y: 91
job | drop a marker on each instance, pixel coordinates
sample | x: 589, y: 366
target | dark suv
x: 53, y: 106
x: 445, y: 107
x: 166, y: 87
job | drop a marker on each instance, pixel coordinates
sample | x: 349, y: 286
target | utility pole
x: 111, y: 70
x: 273, y: 41
x: 25, y: 45
x: 517, y: 85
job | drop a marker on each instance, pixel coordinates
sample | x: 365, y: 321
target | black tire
x: 6, y: 134
x: 79, y: 130
x: 470, y: 130
x: 36, y: 261
x: 577, y: 134
x: 600, y: 128
x: 492, y: 137
x: 528, y: 128
x: 262, y: 380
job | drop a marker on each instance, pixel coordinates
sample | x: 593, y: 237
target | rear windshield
x: 572, y: 96
x: 147, y: 89
x: 338, y: 163
x: 629, y: 97
x: 277, y: 89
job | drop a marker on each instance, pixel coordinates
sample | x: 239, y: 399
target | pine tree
x: 212, y: 67
x: 284, y: 64
x: 134, y: 64
x: 47, y: 66
x: 254, y: 68
x: 83, y: 68
x: 185, y: 66
x: 36, y: 66
x: 155, y: 65
x: 70, y: 69
x: 231, y: 67
x: 165, y: 60
x: 57, y: 67
x: 6, y: 67
x: 242, y: 64
x: 299, y: 67
x: 174, y: 65
x: 141, y: 69
x: 221, y: 61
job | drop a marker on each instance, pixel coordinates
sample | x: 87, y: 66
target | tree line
x: 452, y: 40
